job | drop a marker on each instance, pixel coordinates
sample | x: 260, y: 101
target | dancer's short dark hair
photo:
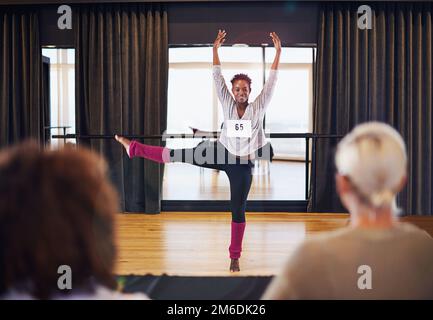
x: 56, y: 208
x: 241, y: 76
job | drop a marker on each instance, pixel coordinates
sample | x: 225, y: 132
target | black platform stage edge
x: 196, y: 288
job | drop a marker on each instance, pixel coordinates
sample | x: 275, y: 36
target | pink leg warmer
x: 236, y: 240
x: 155, y: 153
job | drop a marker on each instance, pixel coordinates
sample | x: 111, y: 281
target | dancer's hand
x: 276, y: 41
x: 219, y: 39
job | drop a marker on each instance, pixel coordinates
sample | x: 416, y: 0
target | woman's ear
x: 342, y: 183
x: 402, y: 183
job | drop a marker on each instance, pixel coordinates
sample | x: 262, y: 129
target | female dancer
x: 233, y: 153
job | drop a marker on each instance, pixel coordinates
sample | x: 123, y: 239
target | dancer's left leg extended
x: 136, y: 149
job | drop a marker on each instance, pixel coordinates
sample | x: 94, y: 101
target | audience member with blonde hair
x: 376, y: 256
x: 56, y: 212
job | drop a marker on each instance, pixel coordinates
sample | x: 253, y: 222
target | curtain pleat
x: 121, y: 88
x: 21, y: 110
x: 382, y: 74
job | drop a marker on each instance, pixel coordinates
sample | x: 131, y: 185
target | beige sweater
x: 327, y: 266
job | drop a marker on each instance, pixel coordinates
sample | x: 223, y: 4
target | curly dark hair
x: 241, y: 76
x: 56, y: 208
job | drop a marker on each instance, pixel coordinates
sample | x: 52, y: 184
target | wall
x: 197, y: 23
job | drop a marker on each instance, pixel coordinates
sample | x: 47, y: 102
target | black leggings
x: 213, y: 155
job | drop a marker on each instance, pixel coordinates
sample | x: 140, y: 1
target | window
x: 62, y: 91
x: 192, y: 102
x: 290, y: 110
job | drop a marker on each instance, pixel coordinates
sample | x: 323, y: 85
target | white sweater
x: 100, y: 293
x: 255, y: 112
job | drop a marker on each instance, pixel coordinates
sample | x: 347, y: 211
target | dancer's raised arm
x: 265, y: 95
x: 223, y: 93
x: 277, y: 45
x: 217, y: 43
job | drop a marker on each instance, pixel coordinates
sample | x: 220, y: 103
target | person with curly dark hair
x: 242, y: 135
x: 56, y: 210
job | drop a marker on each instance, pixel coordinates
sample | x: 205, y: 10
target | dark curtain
x: 383, y: 74
x: 121, y: 87
x: 21, y: 111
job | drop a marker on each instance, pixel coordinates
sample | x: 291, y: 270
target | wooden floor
x: 196, y: 244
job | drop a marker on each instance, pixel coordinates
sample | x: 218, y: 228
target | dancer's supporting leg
x: 240, y: 178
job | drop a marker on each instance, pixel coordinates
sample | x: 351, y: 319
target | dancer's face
x: 241, y: 91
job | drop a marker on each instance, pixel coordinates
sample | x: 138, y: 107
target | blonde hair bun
x: 373, y: 156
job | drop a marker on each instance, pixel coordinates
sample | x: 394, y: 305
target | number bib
x: 238, y: 128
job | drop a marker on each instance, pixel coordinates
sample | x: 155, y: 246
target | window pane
x: 71, y: 56
x: 291, y: 55
x: 192, y: 101
x: 189, y: 98
x: 201, y: 54
x: 189, y: 103
x: 239, y: 54
x: 71, y: 100
x: 226, y: 54
x: 54, y: 97
x: 289, y: 110
x: 50, y: 53
x: 62, y: 90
